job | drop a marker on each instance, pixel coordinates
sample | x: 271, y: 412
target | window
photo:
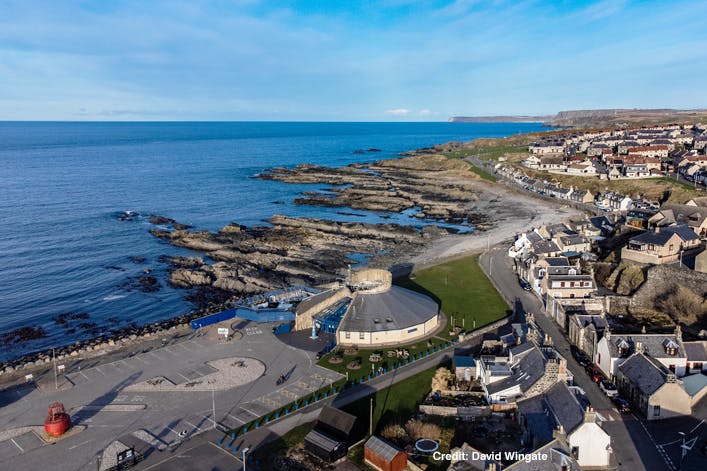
x: 410, y: 331
x: 361, y: 335
x: 562, y: 284
x: 671, y: 247
x: 347, y: 335
x: 656, y: 411
x: 575, y: 452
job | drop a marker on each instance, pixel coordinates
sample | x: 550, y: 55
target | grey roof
x: 693, y: 384
x: 645, y: 373
x: 462, y: 361
x: 336, y: 421
x: 526, y: 371
x: 544, y: 412
x: 696, y: 351
x: 656, y: 238
x: 573, y: 239
x: 653, y: 344
x: 682, y: 230
x: 545, y: 246
x: 321, y: 440
x: 598, y: 321
x: 533, y: 237
x: 557, y: 261
x: 394, y: 309
x: 382, y: 448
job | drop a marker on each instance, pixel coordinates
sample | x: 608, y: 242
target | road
x: 633, y: 446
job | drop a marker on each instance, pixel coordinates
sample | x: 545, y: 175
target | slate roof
x: 544, y: 412
x: 382, y: 448
x: 682, y: 230
x: 584, y: 320
x: 462, y: 361
x: 645, y: 373
x: 526, y: 371
x: 656, y: 238
x: 559, y: 458
x: 336, y: 422
x: 652, y: 344
x: 693, y: 384
x: 545, y: 246
x: 394, y: 309
x: 557, y: 261
x: 696, y: 351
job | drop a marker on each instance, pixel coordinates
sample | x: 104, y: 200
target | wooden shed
x: 383, y: 455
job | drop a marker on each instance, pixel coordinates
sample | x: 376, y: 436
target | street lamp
x: 243, y: 452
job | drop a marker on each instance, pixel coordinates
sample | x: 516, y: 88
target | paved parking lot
x: 96, y: 397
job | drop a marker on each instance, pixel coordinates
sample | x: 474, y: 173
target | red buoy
x: 58, y: 421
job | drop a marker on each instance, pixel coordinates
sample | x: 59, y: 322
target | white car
x: 608, y: 388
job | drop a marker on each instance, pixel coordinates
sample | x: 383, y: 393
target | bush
x: 394, y: 432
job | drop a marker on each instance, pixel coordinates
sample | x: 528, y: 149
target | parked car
x: 579, y: 355
x: 595, y: 373
x: 524, y: 284
x: 622, y: 405
x: 608, y: 388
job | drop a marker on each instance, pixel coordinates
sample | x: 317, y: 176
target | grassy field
x: 394, y: 404
x: 267, y: 454
x: 482, y: 173
x: 463, y: 291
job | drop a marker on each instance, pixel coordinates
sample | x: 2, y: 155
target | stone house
x: 613, y: 349
x: 573, y: 243
x: 585, y: 331
x: 558, y: 410
x: 650, y: 151
x: 546, y: 147
x: 582, y: 196
x: 526, y: 371
x: 653, y: 390
x: 693, y: 216
x: 663, y: 245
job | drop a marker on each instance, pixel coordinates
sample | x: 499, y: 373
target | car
x: 524, y: 284
x: 622, y: 405
x: 608, y: 387
x: 581, y: 358
x: 595, y: 373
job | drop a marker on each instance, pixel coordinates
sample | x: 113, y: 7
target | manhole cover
x: 426, y: 445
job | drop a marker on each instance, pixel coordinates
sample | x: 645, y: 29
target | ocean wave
x: 113, y: 297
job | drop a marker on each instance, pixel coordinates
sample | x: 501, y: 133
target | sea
x: 63, y: 185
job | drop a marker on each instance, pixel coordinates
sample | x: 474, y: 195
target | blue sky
x: 345, y: 60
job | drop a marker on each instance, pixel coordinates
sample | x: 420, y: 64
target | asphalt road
x: 634, y: 447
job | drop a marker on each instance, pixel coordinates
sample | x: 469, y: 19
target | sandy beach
x: 514, y: 212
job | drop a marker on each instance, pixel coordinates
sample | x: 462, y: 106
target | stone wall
x: 660, y: 278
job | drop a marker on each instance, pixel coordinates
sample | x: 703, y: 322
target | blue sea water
x: 61, y: 185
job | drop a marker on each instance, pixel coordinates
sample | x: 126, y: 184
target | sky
x: 385, y: 60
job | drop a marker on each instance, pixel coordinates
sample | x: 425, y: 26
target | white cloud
x: 425, y: 112
x: 398, y: 112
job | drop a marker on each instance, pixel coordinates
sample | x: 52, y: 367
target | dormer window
x: 671, y: 347
x: 572, y: 271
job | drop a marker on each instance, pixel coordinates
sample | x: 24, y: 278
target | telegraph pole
x: 370, y: 419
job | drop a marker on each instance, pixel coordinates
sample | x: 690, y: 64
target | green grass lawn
x: 363, y: 355
x: 482, y: 173
x: 395, y: 403
x: 267, y: 454
x: 463, y: 291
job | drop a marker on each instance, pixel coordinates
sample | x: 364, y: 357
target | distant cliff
x: 597, y: 118
x: 499, y: 119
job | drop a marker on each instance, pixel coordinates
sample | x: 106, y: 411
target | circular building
x: 380, y: 313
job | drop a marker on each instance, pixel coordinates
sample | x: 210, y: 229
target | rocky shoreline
x: 239, y: 261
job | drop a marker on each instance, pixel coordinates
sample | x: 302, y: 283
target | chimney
x: 590, y: 415
x: 639, y: 347
x: 559, y: 433
x: 678, y: 333
x: 657, y: 229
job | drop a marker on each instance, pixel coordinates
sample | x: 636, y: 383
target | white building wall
x: 593, y: 443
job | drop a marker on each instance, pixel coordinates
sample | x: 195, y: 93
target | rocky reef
x: 426, y: 182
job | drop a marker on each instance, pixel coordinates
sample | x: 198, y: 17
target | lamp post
x: 243, y: 452
x: 56, y: 381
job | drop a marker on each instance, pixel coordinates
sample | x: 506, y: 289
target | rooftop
x: 394, y: 309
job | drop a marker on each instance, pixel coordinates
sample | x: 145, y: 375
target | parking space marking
x: 140, y: 359
x: 99, y: 370
x: 188, y: 379
x: 189, y: 423
x: 84, y: 375
x: 250, y: 412
x: 18, y: 446
x: 155, y: 355
x: 236, y: 418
